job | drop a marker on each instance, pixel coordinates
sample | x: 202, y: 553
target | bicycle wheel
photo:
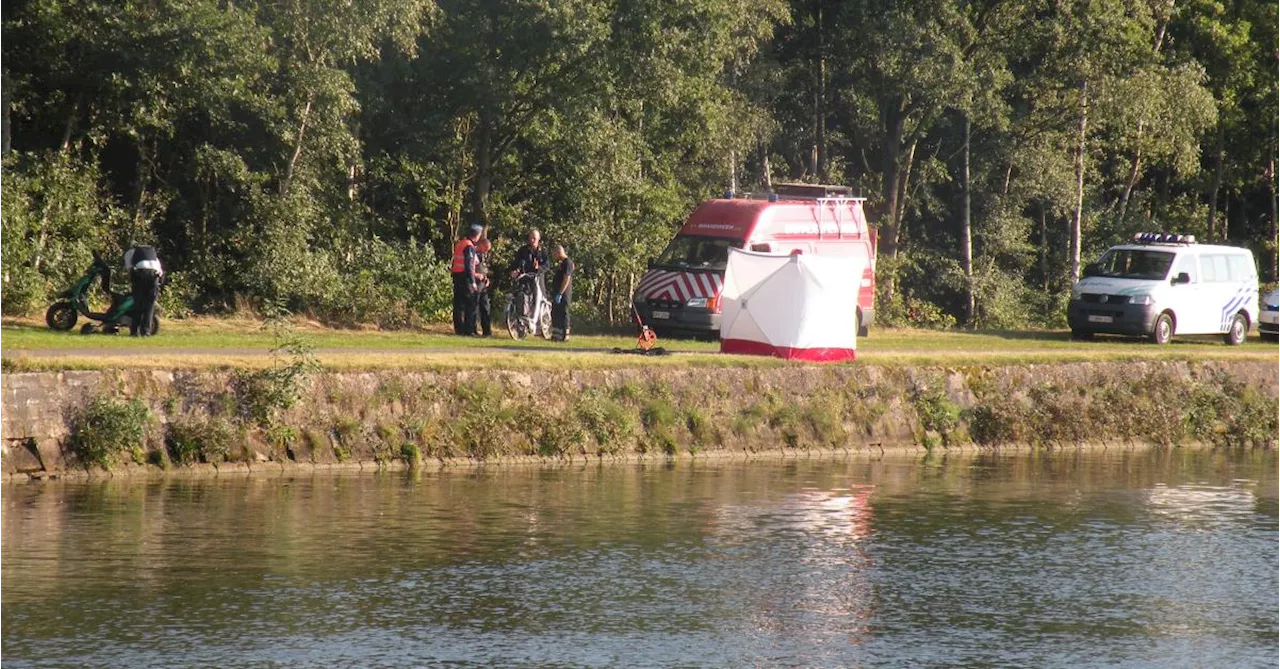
x: 544, y: 322
x: 515, y: 324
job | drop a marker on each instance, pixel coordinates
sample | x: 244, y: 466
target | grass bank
x: 207, y: 343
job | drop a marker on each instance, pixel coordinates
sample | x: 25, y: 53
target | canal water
x: 1134, y: 558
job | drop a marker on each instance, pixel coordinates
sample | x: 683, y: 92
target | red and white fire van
x: 681, y: 291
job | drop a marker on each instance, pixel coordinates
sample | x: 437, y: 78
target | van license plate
x: 1100, y: 319
x: 667, y: 314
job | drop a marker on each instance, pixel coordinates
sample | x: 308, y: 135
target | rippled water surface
x: 1136, y: 558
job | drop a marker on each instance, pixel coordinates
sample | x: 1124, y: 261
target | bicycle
x: 520, y: 325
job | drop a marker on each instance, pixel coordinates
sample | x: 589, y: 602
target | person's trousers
x: 484, y: 309
x: 145, y: 286
x: 464, y: 306
x: 560, y: 319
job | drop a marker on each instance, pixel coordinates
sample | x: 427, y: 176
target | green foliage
x: 411, y: 454
x: 700, y: 427
x: 322, y: 156
x: 195, y: 439
x: 936, y: 412
x: 659, y: 417
x: 262, y: 394
x: 105, y: 427
x: 749, y: 419
x: 606, y: 420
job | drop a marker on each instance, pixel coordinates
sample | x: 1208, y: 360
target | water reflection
x: 1164, y: 557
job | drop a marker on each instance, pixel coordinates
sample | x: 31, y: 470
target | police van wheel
x: 1239, y: 329
x: 1162, y: 332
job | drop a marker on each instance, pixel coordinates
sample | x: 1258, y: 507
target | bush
x: 659, y: 420
x: 106, y: 427
x: 202, y: 439
x: 936, y: 411
x: 606, y: 420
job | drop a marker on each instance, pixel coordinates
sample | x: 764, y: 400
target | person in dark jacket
x: 145, y: 275
x: 483, y: 283
x: 561, y: 294
x: 531, y: 262
x: 463, y: 269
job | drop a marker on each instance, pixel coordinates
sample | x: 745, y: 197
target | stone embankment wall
x: 73, y: 424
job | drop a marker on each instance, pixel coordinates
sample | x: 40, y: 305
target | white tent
x: 798, y: 307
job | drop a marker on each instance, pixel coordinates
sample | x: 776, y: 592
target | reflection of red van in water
x: 681, y: 290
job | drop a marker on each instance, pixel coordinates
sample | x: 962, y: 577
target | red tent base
x: 745, y: 347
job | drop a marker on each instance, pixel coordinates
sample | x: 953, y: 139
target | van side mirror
x: 1092, y: 269
x: 1182, y: 277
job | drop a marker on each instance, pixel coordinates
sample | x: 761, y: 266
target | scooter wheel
x: 61, y: 316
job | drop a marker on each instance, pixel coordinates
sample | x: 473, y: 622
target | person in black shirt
x: 483, y: 281
x: 561, y: 294
x: 531, y: 260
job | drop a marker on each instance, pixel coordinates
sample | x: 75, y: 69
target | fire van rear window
x: 698, y: 252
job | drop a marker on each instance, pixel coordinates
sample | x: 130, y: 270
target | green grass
x: 214, y: 333
x: 211, y: 343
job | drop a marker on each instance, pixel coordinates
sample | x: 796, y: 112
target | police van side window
x: 1187, y: 265
x: 1221, y: 269
x: 1241, y: 268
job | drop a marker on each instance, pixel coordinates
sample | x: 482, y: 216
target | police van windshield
x: 698, y: 252
x: 1135, y: 264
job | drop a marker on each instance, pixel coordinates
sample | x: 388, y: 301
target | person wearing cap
x: 463, y: 268
x: 561, y: 294
x: 483, y: 283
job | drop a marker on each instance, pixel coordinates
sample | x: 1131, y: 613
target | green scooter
x: 74, y: 302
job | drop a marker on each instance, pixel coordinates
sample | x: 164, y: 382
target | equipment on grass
x: 646, y: 342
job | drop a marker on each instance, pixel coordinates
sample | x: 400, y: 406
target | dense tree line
x: 322, y: 154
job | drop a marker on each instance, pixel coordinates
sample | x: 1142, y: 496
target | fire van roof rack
x: 812, y: 191
x: 798, y: 191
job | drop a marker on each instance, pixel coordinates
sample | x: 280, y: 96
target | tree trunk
x: 484, y: 168
x: 1218, y: 161
x: 904, y: 184
x: 820, y: 97
x: 1275, y: 227
x: 297, y: 150
x: 70, y: 126
x: 1044, y: 250
x: 887, y: 239
x: 967, y: 250
x: 1133, y: 178
x: 1077, y: 220
x: 764, y: 167
x: 733, y: 171
x: 5, y: 110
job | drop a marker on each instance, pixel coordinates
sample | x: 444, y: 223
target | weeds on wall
x: 659, y: 418
x: 193, y: 439
x: 938, y: 415
x: 263, y: 393
x: 106, y: 427
x: 610, y: 423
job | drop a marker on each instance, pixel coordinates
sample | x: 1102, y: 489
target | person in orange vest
x: 465, y: 288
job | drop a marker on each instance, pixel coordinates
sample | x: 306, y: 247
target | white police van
x: 1166, y: 284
